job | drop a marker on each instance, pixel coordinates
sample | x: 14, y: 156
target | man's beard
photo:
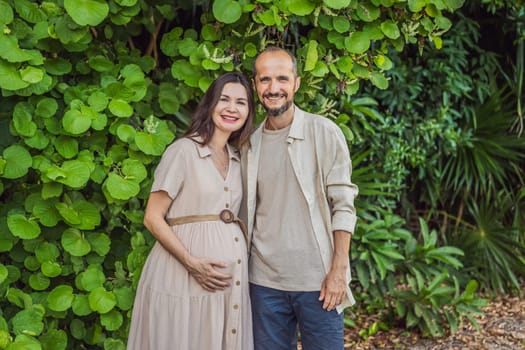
x: 274, y: 112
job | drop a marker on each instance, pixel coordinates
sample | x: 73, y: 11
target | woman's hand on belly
x: 205, y: 272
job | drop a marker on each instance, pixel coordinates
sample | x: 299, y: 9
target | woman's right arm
x: 201, y: 268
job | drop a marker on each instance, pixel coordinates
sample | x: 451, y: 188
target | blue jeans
x: 277, y: 313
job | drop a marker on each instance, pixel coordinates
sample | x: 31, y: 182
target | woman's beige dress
x: 171, y: 310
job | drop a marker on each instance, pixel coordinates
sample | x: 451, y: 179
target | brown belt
x: 226, y: 216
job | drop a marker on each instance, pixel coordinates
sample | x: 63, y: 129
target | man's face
x: 275, y: 81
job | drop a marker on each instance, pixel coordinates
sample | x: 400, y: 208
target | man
x: 298, y: 206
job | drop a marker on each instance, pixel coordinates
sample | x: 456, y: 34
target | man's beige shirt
x: 322, y: 166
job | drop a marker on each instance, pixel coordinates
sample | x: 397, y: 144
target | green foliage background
x: 92, y: 91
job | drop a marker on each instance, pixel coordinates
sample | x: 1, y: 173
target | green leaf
x: 126, y: 133
x: 51, y: 268
x: 120, y: 108
x: 357, y: 42
x: 32, y: 75
x: 301, y: 7
x: 311, y: 56
x: 111, y: 320
x: 379, y: 80
x: 87, y: 12
x: 100, y: 243
x: 75, y: 243
x: 23, y: 119
x: 46, y: 107
x: 29, y: 11
x: 66, y: 146
x: 21, y: 227
x: 185, y: 71
x: 7, y: 13
x: 54, y: 339
x: 337, y: 4
x: 125, y: 298
x: 98, y: 101
x: 121, y: 188
x: 114, y: 344
x: 390, y: 29
x: 92, y: 278
x: 101, y: 301
x: 57, y: 66
x: 383, y: 62
x: 28, y: 322
x: 100, y: 63
x: 18, y: 160
x: 443, y: 23
x: 72, y: 173
x: 10, y: 77
x: 227, y: 11
x: 368, y: 12
x: 24, y: 342
x: 341, y: 24
x: 3, y: 273
x: 60, y: 298
x: 76, y: 122
x: 46, y: 251
x: 168, y: 103
x: 39, y: 281
x: 80, y: 305
x: 416, y: 5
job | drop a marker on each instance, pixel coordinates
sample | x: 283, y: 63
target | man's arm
x: 333, y: 289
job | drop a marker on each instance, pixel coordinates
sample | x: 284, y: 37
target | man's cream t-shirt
x: 284, y: 253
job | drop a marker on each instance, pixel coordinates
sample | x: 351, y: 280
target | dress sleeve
x: 169, y: 174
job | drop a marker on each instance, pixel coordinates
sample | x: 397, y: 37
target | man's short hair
x: 277, y: 49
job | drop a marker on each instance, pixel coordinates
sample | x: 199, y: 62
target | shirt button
x: 225, y: 189
x: 236, y: 239
x: 238, y: 261
x: 235, y: 307
x: 227, y: 205
x: 238, y: 283
x: 234, y: 331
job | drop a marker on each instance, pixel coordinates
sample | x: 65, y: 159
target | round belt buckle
x: 227, y: 216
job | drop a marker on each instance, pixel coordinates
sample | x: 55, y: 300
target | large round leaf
x: 100, y: 243
x: 74, y: 242
x: 38, y: 281
x: 46, y: 251
x: 23, y: 119
x: 76, y: 122
x: 10, y: 77
x: 55, y: 339
x: 46, y: 212
x: 367, y: 12
x: 390, y: 29
x: 126, y: 133
x: 121, y: 188
x: 7, y: 13
x: 46, y: 107
x: 125, y: 298
x: 227, y: 11
x: 301, y: 7
x: 101, y: 300
x: 60, y: 298
x: 80, y: 305
x: 87, y: 12
x: 24, y: 342
x: 21, y: 227
x: 112, y: 320
x: 18, y: 160
x: 66, y: 146
x: 28, y: 321
x: 51, y: 268
x: 337, y: 4
x: 76, y: 173
x: 92, y: 278
x: 357, y: 42
x: 120, y: 108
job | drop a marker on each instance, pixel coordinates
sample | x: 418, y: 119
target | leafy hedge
x: 92, y: 93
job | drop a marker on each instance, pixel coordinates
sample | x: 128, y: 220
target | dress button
x: 234, y: 331
x: 238, y: 283
x: 227, y: 205
x: 238, y: 261
x: 225, y: 189
x: 235, y: 307
x: 236, y: 239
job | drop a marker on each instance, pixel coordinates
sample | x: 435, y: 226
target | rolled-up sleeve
x: 340, y: 190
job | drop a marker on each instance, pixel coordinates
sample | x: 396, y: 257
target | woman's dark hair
x: 202, y: 122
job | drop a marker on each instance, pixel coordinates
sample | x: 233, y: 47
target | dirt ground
x: 502, y: 328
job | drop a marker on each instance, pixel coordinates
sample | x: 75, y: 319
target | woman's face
x: 232, y: 108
